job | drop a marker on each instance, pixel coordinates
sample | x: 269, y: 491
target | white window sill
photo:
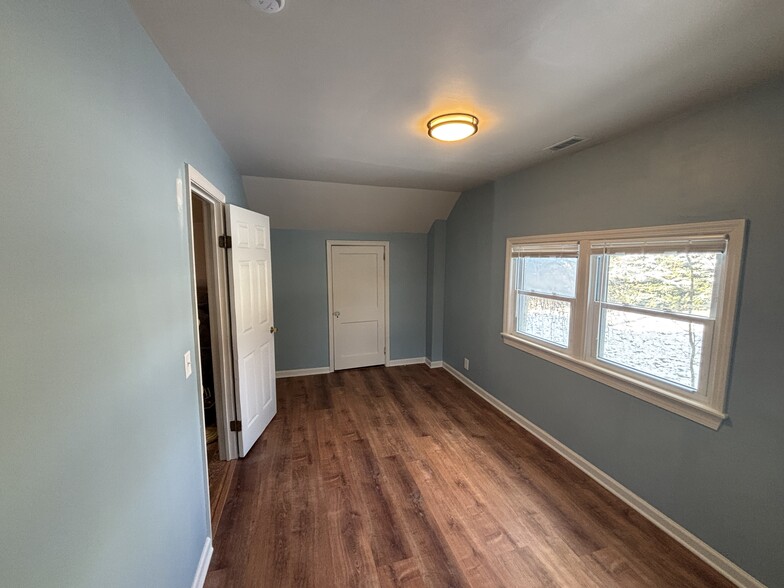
x: 685, y: 407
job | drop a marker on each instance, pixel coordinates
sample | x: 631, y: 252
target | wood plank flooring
x: 221, y: 474
x: 403, y: 477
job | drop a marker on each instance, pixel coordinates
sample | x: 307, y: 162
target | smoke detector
x: 269, y: 6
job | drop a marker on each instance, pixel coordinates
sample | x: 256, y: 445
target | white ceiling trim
x: 308, y: 205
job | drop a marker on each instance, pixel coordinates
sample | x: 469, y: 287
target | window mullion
x: 580, y: 307
x: 597, y: 287
x: 706, y: 366
x: 604, y: 286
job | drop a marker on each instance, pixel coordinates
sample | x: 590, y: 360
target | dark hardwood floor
x: 402, y: 476
x: 221, y: 474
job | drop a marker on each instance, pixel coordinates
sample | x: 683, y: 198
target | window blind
x: 703, y: 244
x: 546, y: 249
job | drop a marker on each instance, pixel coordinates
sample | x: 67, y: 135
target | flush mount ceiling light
x: 270, y: 6
x: 453, y: 127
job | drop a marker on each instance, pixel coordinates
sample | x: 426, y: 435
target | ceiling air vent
x: 565, y: 144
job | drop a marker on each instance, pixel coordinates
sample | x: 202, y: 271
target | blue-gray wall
x: 102, y: 478
x: 299, y: 284
x: 724, y: 161
x: 436, y: 274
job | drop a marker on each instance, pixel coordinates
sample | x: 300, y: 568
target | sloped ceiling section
x: 308, y: 205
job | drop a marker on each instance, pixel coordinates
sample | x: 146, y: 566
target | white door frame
x: 220, y: 331
x: 385, y: 245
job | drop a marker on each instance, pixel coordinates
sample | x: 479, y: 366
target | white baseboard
x: 407, y: 361
x: 204, y: 564
x: 325, y: 370
x: 693, y: 543
x: 303, y: 372
x: 434, y: 364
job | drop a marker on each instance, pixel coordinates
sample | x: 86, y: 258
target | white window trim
x: 707, y: 410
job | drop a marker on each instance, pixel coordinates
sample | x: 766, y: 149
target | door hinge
x: 235, y: 426
x: 224, y: 241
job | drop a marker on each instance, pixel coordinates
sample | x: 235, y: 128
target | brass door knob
x: 273, y: 330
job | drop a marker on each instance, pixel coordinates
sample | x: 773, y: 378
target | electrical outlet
x: 465, y: 363
x: 188, y: 364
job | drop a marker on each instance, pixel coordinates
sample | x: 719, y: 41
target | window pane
x: 548, y: 275
x: 678, y: 282
x: 544, y: 318
x: 661, y: 347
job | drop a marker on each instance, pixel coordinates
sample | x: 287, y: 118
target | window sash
x: 559, y: 250
x: 599, y: 265
x: 598, y: 304
x: 705, y: 355
x: 519, y: 302
x: 518, y: 275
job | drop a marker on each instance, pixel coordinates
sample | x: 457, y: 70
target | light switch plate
x: 180, y: 195
x: 188, y: 364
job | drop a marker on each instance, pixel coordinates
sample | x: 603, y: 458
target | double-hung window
x: 647, y: 311
x: 545, y: 277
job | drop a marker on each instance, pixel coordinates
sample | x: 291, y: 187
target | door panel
x: 250, y: 276
x: 359, y: 305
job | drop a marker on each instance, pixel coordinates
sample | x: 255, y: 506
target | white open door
x: 358, y: 320
x: 250, y: 276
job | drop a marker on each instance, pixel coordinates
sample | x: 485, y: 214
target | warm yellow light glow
x: 453, y: 127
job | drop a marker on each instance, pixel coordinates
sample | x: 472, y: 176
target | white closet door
x: 250, y: 269
x: 359, y: 305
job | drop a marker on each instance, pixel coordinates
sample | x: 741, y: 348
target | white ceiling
x: 302, y: 204
x: 340, y: 90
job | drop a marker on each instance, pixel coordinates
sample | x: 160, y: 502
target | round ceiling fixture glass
x: 453, y: 127
x: 270, y: 6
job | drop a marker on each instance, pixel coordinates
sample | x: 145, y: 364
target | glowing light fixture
x: 453, y: 127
